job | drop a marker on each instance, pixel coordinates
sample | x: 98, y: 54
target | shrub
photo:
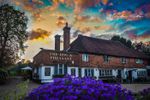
x: 69, y: 88
x: 144, y: 94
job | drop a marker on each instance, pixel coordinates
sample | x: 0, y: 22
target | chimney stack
x: 66, y: 30
x: 57, y: 42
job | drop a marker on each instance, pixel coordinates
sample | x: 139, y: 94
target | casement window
x: 60, y: 69
x: 103, y: 72
x: 73, y: 71
x: 89, y: 72
x: 141, y: 73
x: 139, y: 61
x: 85, y: 57
x: 47, y: 71
x: 123, y: 60
x: 106, y: 58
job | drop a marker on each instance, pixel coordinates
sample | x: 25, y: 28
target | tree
x: 124, y: 41
x: 13, y: 25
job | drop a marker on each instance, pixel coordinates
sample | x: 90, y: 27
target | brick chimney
x: 66, y: 30
x: 57, y: 42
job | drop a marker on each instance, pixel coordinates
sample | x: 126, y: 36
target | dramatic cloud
x: 87, y: 19
x: 104, y: 27
x: 61, y: 21
x: 39, y: 34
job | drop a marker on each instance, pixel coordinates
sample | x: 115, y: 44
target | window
x: 89, y: 72
x: 139, y: 61
x: 85, y: 57
x: 73, y: 71
x: 47, y: 71
x: 65, y: 69
x: 85, y: 71
x: 106, y: 72
x: 123, y: 60
x: 56, y: 70
x: 80, y: 73
x: 60, y: 69
x: 141, y: 73
x: 106, y: 58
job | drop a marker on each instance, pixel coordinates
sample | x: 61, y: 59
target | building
x: 87, y: 56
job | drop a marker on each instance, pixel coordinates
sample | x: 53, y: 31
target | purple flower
x: 69, y: 88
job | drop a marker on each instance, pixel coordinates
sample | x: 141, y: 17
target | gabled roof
x: 84, y: 44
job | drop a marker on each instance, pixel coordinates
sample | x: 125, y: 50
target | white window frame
x: 105, y: 72
x: 85, y: 57
x: 139, y: 61
x: 124, y: 60
x: 49, y: 71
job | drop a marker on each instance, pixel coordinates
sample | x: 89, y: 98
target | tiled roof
x: 84, y: 44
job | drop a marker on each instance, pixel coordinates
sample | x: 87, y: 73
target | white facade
x: 45, y: 73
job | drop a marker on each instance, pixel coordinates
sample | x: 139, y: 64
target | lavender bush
x: 79, y: 89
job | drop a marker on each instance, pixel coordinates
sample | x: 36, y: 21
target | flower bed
x: 79, y: 89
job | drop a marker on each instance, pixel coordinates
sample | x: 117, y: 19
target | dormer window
x: 85, y: 57
x: 123, y: 60
x: 139, y: 61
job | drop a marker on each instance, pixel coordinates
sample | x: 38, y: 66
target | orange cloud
x: 104, y: 2
x: 85, y: 29
x: 80, y: 5
x: 61, y: 21
x: 104, y: 27
x: 87, y: 19
x: 38, y: 34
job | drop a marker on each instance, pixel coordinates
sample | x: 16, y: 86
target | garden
x: 69, y: 88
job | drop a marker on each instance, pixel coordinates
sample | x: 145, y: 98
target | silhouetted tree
x: 13, y: 25
x: 124, y: 41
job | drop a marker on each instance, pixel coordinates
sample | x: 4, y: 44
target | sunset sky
x: 100, y: 18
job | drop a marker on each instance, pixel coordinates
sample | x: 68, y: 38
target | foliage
x: 69, y: 88
x: 3, y: 76
x: 18, y: 94
x: 124, y: 41
x: 13, y: 25
x: 144, y: 94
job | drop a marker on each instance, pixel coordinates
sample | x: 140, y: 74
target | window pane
x: 73, y: 71
x: 85, y: 57
x: 65, y: 69
x: 100, y: 74
x: 47, y: 71
x: 92, y: 72
x: 56, y: 70
x: 60, y: 69
x: 85, y: 72
x: 79, y: 71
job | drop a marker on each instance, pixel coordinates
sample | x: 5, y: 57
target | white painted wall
x: 96, y: 72
x: 41, y: 72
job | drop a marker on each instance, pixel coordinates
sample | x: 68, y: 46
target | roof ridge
x: 99, y: 39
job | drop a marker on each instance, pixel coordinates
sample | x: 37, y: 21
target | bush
x: 144, y: 94
x: 68, y: 88
x: 3, y: 76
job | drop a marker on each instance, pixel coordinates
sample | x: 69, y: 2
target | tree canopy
x: 13, y: 25
x: 124, y: 41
